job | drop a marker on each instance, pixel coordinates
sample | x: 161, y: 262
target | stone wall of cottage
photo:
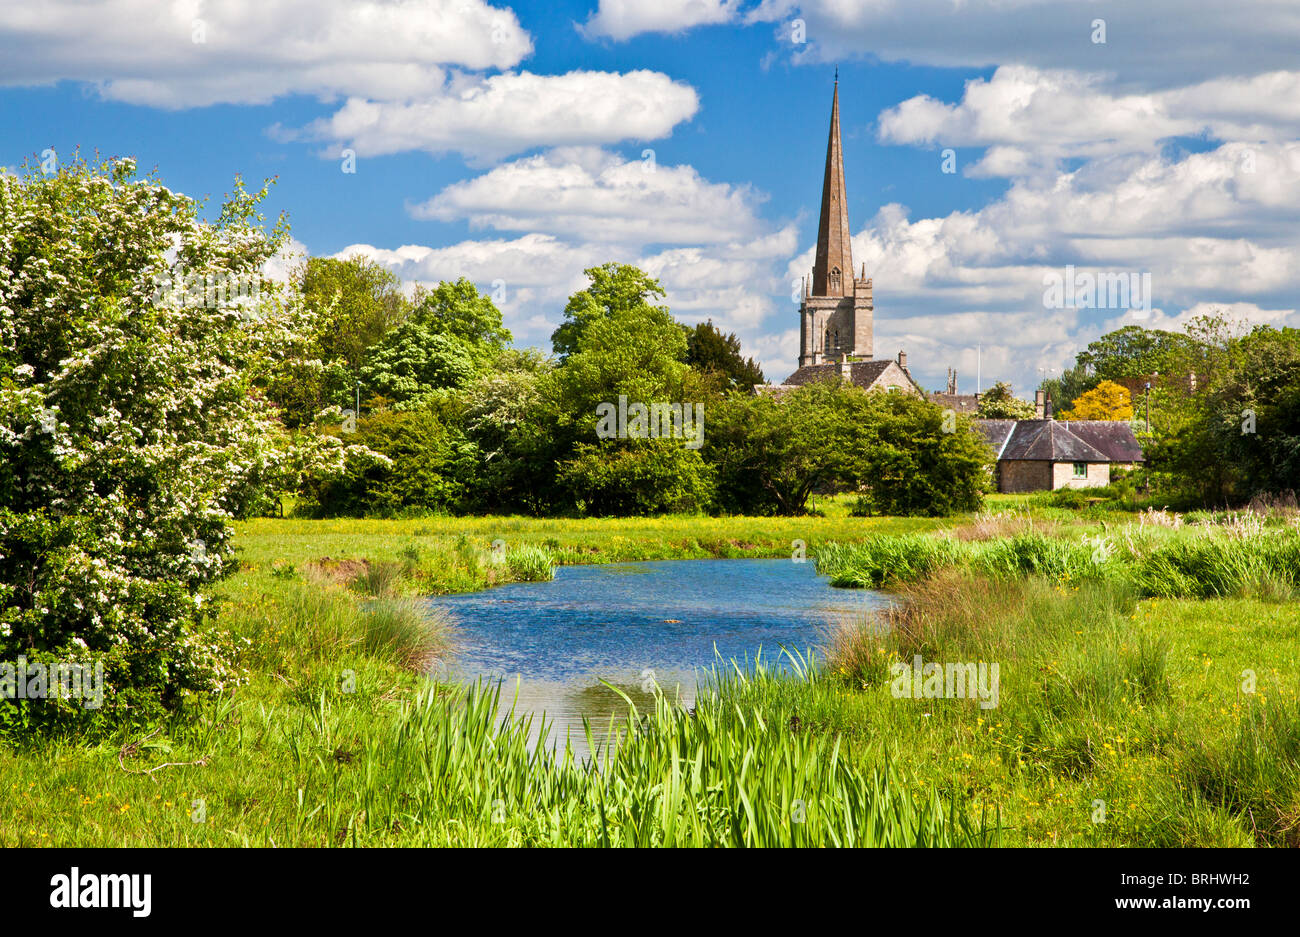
x: 1024, y: 475
x: 1063, y: 475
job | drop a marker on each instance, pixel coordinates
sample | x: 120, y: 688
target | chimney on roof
x: 902, y: 359
x: 952, y: 381
x: 846, y: 369
x: 1047, y: 408
x: 1040, y: 404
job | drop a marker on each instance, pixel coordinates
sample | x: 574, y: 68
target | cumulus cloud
x: 594, y: 194
x: 1153, y: 44
x: 623, y: 19
x: 498, y: 115
x: 189, y: 53
x: 1031, y: 118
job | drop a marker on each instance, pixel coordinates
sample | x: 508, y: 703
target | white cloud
x: 503, y: 114
x: 189, y: 53
x: 291, y: 255
x: 1153, y: 44
x: 623, y: 19
x: 593, y: 194
x: 1031, y: 118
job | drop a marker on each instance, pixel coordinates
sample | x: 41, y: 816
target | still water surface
x: 552, y: 642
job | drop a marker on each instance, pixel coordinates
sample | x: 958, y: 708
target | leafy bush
x: 405, y: 463
x: 132, y: 427
x: 899, y: 450
x: 638, y: 477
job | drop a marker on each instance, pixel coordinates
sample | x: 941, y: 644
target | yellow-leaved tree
x: 1106, y: 401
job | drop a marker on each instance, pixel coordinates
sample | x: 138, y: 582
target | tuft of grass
x: 406, y: 633
x: 1255, y: 772
x: 383, y: 579
x: 530, y: 564
x: 884, y: 560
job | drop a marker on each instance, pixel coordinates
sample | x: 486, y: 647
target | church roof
x: 863, y: 373
x: 1061, y: 440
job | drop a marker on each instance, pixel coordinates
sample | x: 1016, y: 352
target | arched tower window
x: 834, y: 278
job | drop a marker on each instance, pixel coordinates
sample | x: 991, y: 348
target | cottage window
x: 1080, y: 469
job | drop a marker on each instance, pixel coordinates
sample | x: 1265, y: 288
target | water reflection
x: 636, y: 625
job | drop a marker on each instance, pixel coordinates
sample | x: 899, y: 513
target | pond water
x: 632, y: 623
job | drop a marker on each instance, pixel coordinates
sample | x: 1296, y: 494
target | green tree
x: 413, y: 462
x: 460, y: 311
x: 452, y: 334
x: 505, y: 418
x: 1133, y: 351
x: 624, y: 347
x: 1252, y: 412
x: 711, y: 352
x: 638, y: 477
x: 999, y: 403
x: 357, y: 302
x: 615, y: 288
x: 360, y: 301
x: 917, y: 463
x: 1073, y: 383
x: 771, y: 453
x: 413, y: 362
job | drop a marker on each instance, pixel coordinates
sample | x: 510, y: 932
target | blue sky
x: 506, y: 143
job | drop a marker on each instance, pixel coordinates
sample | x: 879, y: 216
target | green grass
x: 1106, y: 700
x: 1201, y: 562
x: 1106, y: 695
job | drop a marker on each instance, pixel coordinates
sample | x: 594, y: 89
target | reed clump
x: 1185, y: 563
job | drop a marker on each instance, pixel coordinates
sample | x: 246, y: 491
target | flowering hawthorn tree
x: 134, y: 339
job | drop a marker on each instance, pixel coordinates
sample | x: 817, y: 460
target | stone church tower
x: 835, y: 315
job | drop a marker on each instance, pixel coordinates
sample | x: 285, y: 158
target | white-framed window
x: 1080, y: 469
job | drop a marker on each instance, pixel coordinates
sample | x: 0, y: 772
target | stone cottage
x: 1046, y: 454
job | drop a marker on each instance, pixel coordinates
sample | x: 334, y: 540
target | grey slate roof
x: 995, y: 432
x: 1061, y: 440
x: 1113, y: 437
x: 865, y: 373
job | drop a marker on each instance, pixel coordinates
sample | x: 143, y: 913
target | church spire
x: 833, y: 270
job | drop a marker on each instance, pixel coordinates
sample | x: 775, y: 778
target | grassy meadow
x: 1131, y: 711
